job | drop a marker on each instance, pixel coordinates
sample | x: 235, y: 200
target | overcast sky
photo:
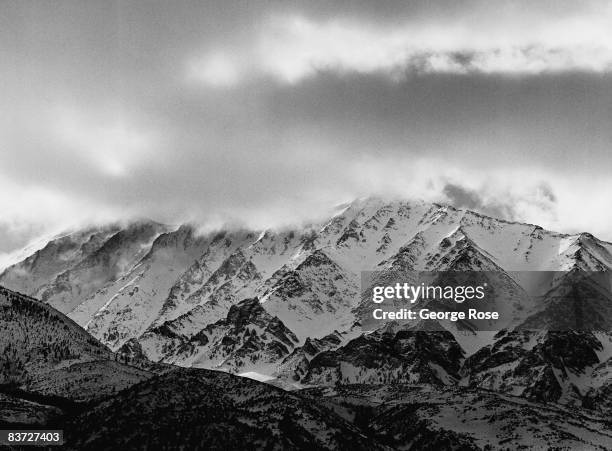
x: 273, y: 111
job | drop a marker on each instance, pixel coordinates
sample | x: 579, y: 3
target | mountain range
x: 133, y: 308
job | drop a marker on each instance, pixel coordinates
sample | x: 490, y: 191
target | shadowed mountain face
x: 77, y: 265
x: 45, y: 353
x: 423, y: 417
x: 211, y: 410
x: 402, y: 357
x: 541, y: 366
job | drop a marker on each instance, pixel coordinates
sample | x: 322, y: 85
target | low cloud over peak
x: 272, y: 112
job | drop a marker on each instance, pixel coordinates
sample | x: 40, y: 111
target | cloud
x: 272, y: 112
x: 536, y: 202
x: 461, y: 197
x: 30, y: 212
x: 111, y: 144
x: 569, y: 203
x: 218, y: 69
x: 291, y: 47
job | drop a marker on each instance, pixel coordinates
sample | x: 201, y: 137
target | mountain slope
x: 144, y: 285
x: 315, y: 298
x: 389, y: 357
x: 46, y: 353
x: 248, y: 339
x: 137, y: 297
x: 288, y: 304
x: 425, y: 417
x: 198, y: 409
x: 538, y: 365
x: 58, y: 255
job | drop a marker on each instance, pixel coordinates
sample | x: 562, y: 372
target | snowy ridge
x: 167, y: 293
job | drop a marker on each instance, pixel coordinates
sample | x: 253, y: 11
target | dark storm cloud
x: 461, y: 197
x: 559, y: 121
x: 270, y: 111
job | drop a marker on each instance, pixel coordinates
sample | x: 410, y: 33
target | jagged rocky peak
x: 235, y: 263
x: 351, y: 216
x: 381, y: 218
x: 539, y: 365
x: 467, y: 256
x: 316, y: 259
x: 250, y: 312
x: 295, y: 282
x: 386, y: 357
x: 133, y: 233
x: 248, y: 338
x: 314, y: 298
x: 59, y: 254
x: 295, y: 366
x: 103, y: 256
x: 351, y: 232
x: 245, y: 312
x: 132, y: 350
x: 592, y: 254
x: 315, y: 345
x: 160, y: 286
x: 184, y: 236
x: 598, y: 396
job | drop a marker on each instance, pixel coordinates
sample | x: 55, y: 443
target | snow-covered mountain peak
x: 159, y: 286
